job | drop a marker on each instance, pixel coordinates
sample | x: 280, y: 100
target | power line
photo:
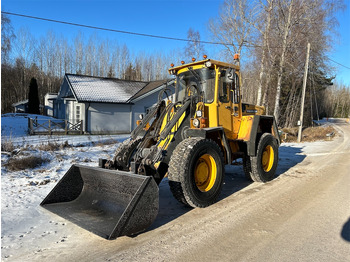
x: 109, y: 29
x: 338, y: 63
x: 140, y: 34
x: 125, y: 32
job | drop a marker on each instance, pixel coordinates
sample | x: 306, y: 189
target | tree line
x: 270, y: 35
x: 50, y: 57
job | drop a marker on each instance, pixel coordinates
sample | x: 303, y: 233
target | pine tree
x: 33, y: 98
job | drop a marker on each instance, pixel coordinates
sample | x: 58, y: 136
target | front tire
x: 196, y: 172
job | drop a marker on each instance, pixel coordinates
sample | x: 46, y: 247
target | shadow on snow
x: 235, y: 181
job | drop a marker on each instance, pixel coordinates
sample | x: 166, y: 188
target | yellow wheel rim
x: 205, y: 173
x: 268, y: 158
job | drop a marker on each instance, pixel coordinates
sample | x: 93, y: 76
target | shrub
x: 33, y: 98
x: 7, y: 146
x: 27, y: 162
x: 53, y: 146
x: 50, y: 146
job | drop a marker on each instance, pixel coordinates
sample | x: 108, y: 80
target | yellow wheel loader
x: 189, y: 140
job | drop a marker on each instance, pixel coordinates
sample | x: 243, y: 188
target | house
x: 21, y: 106
x: 105, y: 105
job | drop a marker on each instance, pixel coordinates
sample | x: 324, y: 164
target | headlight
x: 196, y: 122
x: 199, y: 113
x: 141, y: 116
x: 208, y: 64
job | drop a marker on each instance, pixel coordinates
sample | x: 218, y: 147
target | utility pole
x: 303, y: 93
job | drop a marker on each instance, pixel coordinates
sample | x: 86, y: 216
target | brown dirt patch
x: 309, y: 134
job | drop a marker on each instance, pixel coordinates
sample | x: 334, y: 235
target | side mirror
x: 230, y: 74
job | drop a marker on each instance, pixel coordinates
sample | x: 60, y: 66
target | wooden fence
x: 54, y: 127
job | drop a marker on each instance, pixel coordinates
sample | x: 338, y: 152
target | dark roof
x: 149, y: 87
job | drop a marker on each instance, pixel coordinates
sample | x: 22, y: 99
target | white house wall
x: 49, y: 107
x: 71, y: 113
x: 109, y: 118
x: 49, y: 104
x: 69, y: 110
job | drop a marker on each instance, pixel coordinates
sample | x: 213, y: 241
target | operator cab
x: 200, y: 82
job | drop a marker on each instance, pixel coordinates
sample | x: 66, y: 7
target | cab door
x: 237, y: 104
x: 225, y: 105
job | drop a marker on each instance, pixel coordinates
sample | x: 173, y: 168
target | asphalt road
x: 302, y: 215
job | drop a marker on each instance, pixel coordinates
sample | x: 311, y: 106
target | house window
x: 77, y: 113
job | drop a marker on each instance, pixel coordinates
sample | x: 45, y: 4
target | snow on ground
x: 15, y: 124
x: 27, y: 228
x: 22, y: 191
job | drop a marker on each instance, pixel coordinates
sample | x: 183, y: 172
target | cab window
x: 236, y: 90
x: 224, y: 87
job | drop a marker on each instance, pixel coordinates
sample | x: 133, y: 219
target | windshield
x: 196, y: 82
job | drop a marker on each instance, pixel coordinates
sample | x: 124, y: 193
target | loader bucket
x: 109, y: 203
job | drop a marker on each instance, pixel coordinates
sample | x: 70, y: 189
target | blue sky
x: 158, y: 17
x: 341, y: 52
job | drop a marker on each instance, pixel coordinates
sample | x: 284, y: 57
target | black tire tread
x: 176, y: 167
x: 247, y: 167
x: 179, y: 165
x: 176, y: 190
x: 257, y: 174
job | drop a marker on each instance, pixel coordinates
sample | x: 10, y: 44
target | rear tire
x: 196, y: 172
x: 264, y: 164
x: 247, y: 167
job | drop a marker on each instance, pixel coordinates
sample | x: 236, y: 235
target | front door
x: 225, y: 106
x: 236, y: 101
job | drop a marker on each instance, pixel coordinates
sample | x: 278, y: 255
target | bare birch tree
x: 194, y: 48
x: 79, y: 53
x: 286, y: 9
x: 7, y: 37
x: 265, y: 32
x: 234, y: 25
